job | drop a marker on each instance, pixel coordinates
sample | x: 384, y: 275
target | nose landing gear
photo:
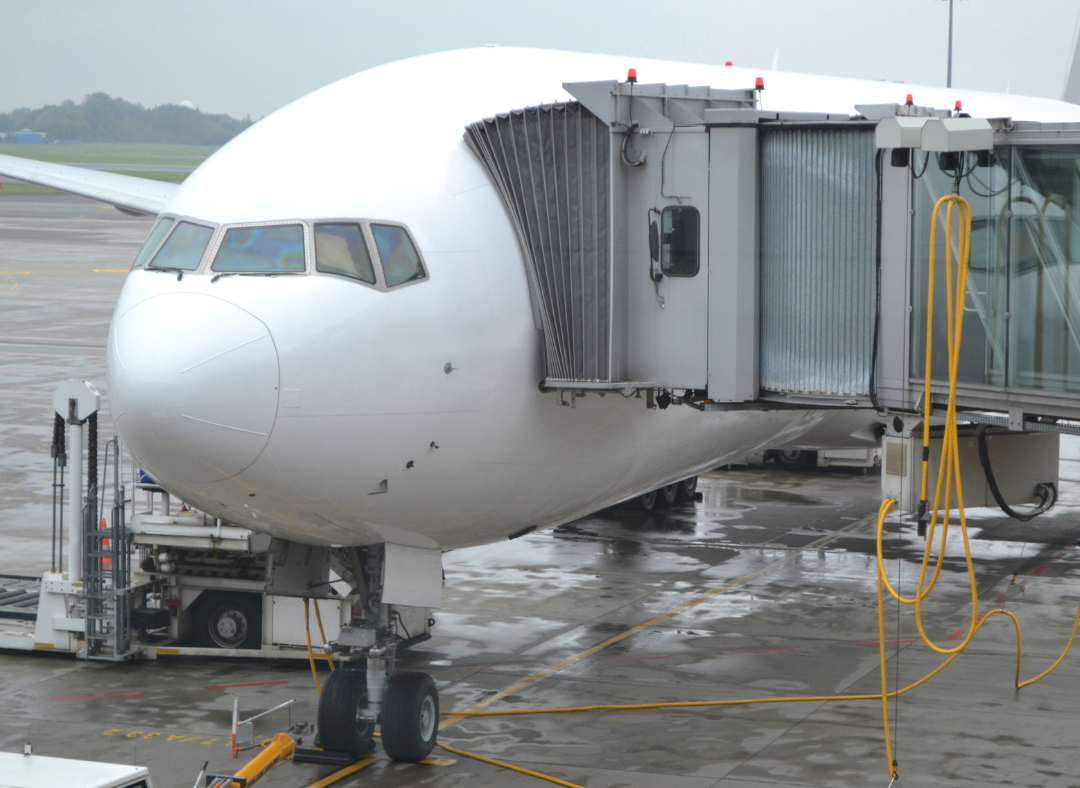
x: 407, y: 714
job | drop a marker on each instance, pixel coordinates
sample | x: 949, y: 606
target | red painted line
x: 252, y: 684
x: 1040, y: 570
x: 962, y: 630
x: 630, y: 659
x: 106, y: 695
x: 761, y: 650
x: 888, y: 642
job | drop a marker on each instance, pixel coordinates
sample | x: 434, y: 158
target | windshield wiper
x: 215, y: 277
x: 178, y: 271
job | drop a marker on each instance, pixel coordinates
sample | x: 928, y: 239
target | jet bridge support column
x: 75, y: 401
x: 733, y: 256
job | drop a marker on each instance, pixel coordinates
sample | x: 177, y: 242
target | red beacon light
x: 728, y: 63
x: 759, y: 84
x: 631, y: 76
x: 909, y: 100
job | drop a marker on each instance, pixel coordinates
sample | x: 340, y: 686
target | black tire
x: 794, y: 459
x: 666, y: 495
x: 344, y: 696
x: 657, y: 500
x: 229, y: 620
x: 687, y: 490
x: 410, y: 717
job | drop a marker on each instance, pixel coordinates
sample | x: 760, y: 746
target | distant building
x: 27, y: 137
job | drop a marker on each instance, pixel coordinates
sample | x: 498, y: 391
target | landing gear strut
x: 405, y: 706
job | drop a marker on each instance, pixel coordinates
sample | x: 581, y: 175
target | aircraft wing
x: 138, y: 195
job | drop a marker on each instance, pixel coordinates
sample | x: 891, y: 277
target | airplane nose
x: 193, y: 386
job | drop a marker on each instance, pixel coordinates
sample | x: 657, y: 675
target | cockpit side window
x: 268, y: 249
x: 157, y: 232
x: 183, y: 249
x: 400, y: 260
x: 340, y: 249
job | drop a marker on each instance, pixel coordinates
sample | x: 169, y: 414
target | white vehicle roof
x: 38, y: 771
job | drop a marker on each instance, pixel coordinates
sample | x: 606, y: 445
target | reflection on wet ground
x: 794, y: 555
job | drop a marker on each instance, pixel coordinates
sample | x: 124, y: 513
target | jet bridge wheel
x: 410, y: 717
x: 687, y: 490
x: 794, y: 459
x: 659, y: 499
x: 343, y: 698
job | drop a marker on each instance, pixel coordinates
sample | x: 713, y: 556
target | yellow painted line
x: 543, y: 674
x: 9, y: 487
x: 14, y: 273
x: 341, y: 774
x: 168, y: 651
x: 44, y: 645
x: 109, y: 270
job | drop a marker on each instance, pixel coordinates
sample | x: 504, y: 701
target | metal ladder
x: 106, y: 565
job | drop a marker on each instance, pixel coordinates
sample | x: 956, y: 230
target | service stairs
x: 106, y: 569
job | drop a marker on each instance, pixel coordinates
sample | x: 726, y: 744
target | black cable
x: 989, y: 194
x: 91, y: 453
x: 911, y: 165
x: 877, y: 286
x: 1047, y: 491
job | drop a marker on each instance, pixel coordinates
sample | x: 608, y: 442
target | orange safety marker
x: 106, y: 542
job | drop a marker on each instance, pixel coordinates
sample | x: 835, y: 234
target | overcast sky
x: 248, y: 58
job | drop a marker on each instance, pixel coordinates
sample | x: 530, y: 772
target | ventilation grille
x: 551, y: 166
x: 817, y: 261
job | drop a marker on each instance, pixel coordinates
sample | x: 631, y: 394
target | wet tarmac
x: 766, y: 588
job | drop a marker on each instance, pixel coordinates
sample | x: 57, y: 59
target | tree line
x: 101, y: 118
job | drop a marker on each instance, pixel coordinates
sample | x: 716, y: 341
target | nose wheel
x: 410, y: 717
x: 343, y: 708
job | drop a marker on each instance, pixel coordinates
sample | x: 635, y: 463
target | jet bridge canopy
x: 682, y: 239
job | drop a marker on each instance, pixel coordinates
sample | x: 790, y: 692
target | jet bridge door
x: 667, y: 205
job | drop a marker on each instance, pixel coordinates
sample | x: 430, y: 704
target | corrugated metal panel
x: 817, y: 260
x: 551, y: 166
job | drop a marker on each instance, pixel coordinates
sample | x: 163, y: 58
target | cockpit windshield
x: 183, y: 250
x: 400, y: 260
x: 157, y: 232
x: 340, y: 249
x: 268, y: 249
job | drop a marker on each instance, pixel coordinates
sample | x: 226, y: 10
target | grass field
x: 108, y: 153
x: 118, y: 152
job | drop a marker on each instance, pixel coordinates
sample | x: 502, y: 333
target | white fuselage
x: 321, y: 410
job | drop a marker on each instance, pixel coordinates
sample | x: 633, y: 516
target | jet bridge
x: 682, y: 241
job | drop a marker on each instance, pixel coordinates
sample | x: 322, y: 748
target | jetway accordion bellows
x: 551, y: 164
x: 817, y: 282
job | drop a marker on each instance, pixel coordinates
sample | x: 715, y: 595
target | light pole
x: 948, y: 78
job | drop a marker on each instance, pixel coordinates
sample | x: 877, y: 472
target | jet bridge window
x: 275, y: 248
x: 341, y: 249
x: 183, y: 249
x: 680, y: 241
x: 157, y: 232
x: 400, y: 260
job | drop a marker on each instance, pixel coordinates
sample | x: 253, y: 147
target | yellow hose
x: 509, y: 766
x: 310, y: 654
x: 322, y: 634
